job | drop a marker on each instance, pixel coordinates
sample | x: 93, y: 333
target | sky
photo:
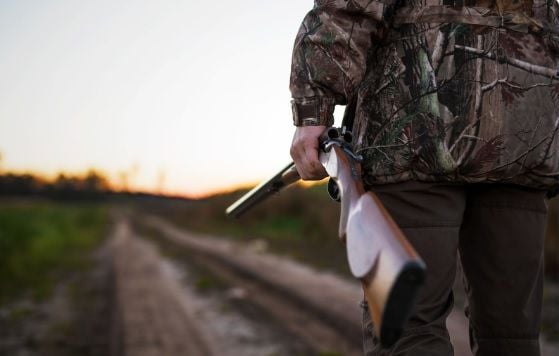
x: 180, y: 97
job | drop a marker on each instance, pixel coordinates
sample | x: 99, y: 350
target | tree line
x: 92, y: 185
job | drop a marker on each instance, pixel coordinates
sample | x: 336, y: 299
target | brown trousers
x: 498, y: 232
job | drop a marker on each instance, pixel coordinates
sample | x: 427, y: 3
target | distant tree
x: 19, y: 184
x: 91, y: 186
x: 94, y: 182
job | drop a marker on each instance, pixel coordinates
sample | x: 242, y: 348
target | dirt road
x: 152, y: 318
x: 154, y: 289
x: 268, y: 305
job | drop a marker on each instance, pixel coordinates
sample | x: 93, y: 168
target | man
x: 455, y: 110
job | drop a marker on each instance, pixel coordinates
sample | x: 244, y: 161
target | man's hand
x: 304, y: 151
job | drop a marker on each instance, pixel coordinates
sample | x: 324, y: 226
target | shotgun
x: 379, y: 255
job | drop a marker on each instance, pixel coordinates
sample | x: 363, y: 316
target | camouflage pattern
x: 442, y: 90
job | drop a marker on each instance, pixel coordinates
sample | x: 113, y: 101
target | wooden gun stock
x: 378, y: 253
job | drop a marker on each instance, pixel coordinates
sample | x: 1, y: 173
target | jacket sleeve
x: 330, y: 54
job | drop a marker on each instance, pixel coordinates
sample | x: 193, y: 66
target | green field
x: 41, y: 241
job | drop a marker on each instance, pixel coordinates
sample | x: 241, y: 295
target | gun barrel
x: 282, y: 179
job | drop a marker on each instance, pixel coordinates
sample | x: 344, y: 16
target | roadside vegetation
x: 40, y: 241
x: 299, y: 222
x: 303, y: 223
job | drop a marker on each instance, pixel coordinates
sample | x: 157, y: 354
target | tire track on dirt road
x: 329, y: 299
x: 320, y: 308
x: 150, y: 319
x: 281, y: 289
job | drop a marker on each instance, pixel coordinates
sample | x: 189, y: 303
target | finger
x: 304, y: 151
x: 312, y: 153
x: 313, y: 167
x: 305, y: 171
x: 302, y: 163
x: 298, y: 155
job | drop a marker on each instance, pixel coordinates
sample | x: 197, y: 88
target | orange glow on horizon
x: 116, y: 186
x: 153, y: 108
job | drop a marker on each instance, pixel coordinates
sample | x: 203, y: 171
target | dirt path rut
x: 151, y: 320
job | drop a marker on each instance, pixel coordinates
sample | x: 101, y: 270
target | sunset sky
x: 184, y: 97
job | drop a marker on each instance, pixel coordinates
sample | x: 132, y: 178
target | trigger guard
x: 334, y: 190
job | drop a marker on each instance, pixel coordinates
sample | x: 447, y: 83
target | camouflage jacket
x: 440, y: 90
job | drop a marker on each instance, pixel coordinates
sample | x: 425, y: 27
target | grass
x: 40, y: 241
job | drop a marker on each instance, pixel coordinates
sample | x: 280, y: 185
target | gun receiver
x: 378, y: 253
